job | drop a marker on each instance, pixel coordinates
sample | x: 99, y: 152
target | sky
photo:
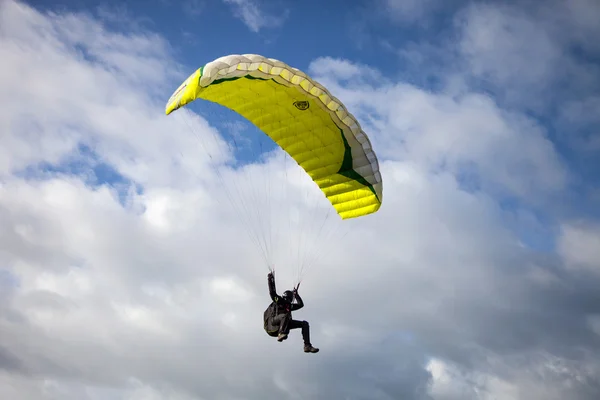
x: 129, y: 265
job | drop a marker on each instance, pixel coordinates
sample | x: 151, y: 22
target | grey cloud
x: 8, y: 361
x: 526, y: 53
x: 148, y: 301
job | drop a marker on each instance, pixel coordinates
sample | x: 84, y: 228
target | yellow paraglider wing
x: 302, y: 117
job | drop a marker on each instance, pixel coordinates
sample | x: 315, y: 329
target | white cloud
x: 450, y: 383
x: 525, y: 53
x: 465, y: 133
x: 254, y: 16
x: 579, y: 245
x: 159, y: 295
x: 84, y: 71
x: 342, y: 70
x: 493, y: 44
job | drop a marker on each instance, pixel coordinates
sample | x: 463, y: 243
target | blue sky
x: 127, y: 270
x: 185, y: 26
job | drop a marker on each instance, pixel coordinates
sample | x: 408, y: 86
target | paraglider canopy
x: 302, y: 117
x: 308, y: 123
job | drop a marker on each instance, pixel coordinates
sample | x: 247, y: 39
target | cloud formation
x: 149, y: 289
x: 254, y: 16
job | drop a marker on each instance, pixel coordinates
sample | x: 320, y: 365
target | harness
x: 270, y: 313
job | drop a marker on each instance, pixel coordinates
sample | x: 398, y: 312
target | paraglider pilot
x: 278, y: 316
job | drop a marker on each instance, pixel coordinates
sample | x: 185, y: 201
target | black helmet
x: 288, y: 296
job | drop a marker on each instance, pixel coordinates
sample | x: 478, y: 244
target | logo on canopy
x: 301, y: 105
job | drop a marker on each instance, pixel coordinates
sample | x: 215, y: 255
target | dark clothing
x: 282, y: 306
x: 278, y: 316
x: 285, y: 323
